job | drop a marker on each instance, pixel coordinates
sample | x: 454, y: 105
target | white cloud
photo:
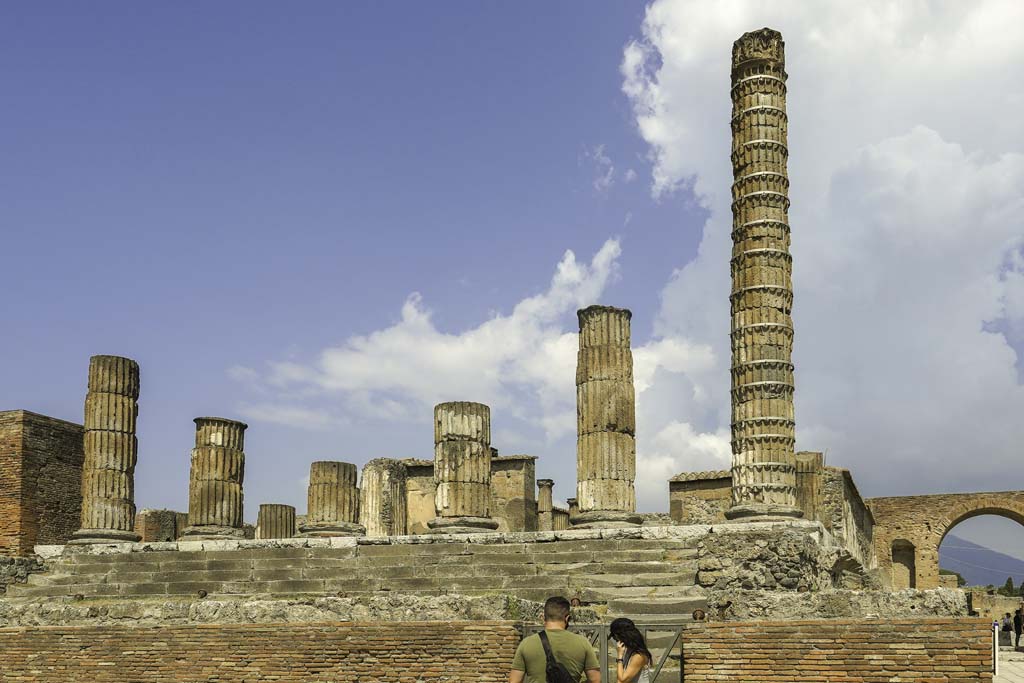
x: 604, y: 169
x: 907, y: 188
x: 520, y: 363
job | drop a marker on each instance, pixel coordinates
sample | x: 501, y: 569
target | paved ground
x: 1011, y: 668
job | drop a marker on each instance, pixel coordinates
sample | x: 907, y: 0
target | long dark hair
x: 626, y: 632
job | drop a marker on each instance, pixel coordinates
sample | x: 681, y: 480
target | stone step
x: 659, y: 606
x: 603, y: 595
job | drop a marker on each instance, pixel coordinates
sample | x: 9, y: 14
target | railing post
x: 995, y: 648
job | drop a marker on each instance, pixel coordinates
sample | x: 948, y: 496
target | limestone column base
x: 605, y: 519
x: 86, y: 536
x: 764, y: 512
x: 461, y: 525
x: 212, y: 532
x: 328, y: 530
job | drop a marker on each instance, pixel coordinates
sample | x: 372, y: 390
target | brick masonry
x: 311, y: 653
x: 40, y: 480
x: 909, y: 530
x: 834, y: 651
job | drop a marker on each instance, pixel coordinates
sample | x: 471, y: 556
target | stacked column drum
x: 763, y: 426
x: 382, y: 498
x: 215, y: 481
x: 462, y: 468
x: 111, y: 451
x: 332, y: 504
x: 606, y: 420
x: 275, y: 521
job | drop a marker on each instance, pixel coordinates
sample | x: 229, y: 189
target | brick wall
x: 10, y: 482
x: 40, y: 480
x: 311, y: 653
x: 834, y: 651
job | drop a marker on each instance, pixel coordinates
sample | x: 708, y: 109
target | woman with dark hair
x: 633, y: 661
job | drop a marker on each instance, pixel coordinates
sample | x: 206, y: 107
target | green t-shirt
x: 571, y: 650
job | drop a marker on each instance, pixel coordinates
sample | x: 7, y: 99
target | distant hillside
x: 979, y: 565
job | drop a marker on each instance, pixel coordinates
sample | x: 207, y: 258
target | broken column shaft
x: 111, y: 451
x: 332, y: 503
x: 545, y: 504
x: 462, y: 468
x: 275, y: 521
x: 382, y: 498
x: 606, y: 420
x: 215, y: 480
x: 763, y: 427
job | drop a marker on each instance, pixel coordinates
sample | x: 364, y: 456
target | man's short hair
x: 556, y: 608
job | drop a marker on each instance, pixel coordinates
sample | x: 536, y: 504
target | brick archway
x: 924, y: 521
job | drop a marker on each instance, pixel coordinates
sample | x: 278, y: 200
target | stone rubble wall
x: 17, y: 569
x: 744, y: 605
x: 262, y: 609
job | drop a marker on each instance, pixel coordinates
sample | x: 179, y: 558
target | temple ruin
x: 471, y: 535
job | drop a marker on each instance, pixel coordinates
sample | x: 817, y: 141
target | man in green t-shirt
x: 571, y: 650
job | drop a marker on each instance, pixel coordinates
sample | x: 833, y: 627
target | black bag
x: 554, y: 672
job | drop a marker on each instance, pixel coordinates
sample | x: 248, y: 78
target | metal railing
x: 600, y: 638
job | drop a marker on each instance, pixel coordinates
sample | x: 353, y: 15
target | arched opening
x: 984, y: 553
x: 904, y: 564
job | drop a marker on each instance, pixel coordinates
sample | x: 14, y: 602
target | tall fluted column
x: 545, y: 504
x: 763, y: 427
x: 605, y: 420
x: 111, y: 450
x: 215, y: 481
x: 382, y: 498
x: 275, y: 521
x: 332, y: 503
x: 462, y: 468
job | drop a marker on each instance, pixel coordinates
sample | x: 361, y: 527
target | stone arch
x: 923, y: 521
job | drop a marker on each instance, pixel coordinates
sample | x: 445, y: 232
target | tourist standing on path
x: 633, y: 659
x: 1018, y: 625
x: 1007, y: 623
x: 570, y: 651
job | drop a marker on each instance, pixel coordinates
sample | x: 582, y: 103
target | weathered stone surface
x: 606, y: 419
x: 382, y: 498
x: 513, y: 503
x: 741, y: 605
x: 160, y: 525
x: 275, y: 521
x: 763, y: 432
x: 259, y: 609
x: 111, y: 451
x: 755, y: 556
x: 17, y: 569
x: 544, y: 504
x: 462, y: 467
x: 215, y: 496
x: 332, y: 502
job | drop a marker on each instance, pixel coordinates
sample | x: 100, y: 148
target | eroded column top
x: 764, y: 45
x: 114, y: 375
x: 462, y: 421
x: 220, y: 431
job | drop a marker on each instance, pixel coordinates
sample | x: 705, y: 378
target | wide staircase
x: 649, y: 581
x: 656, y: 576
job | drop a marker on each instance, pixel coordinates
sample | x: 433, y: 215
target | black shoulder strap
x: 547, y: 648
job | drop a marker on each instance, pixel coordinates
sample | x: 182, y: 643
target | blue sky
x: 253, y: 200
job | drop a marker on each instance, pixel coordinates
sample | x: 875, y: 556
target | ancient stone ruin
x: 449, y: 556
